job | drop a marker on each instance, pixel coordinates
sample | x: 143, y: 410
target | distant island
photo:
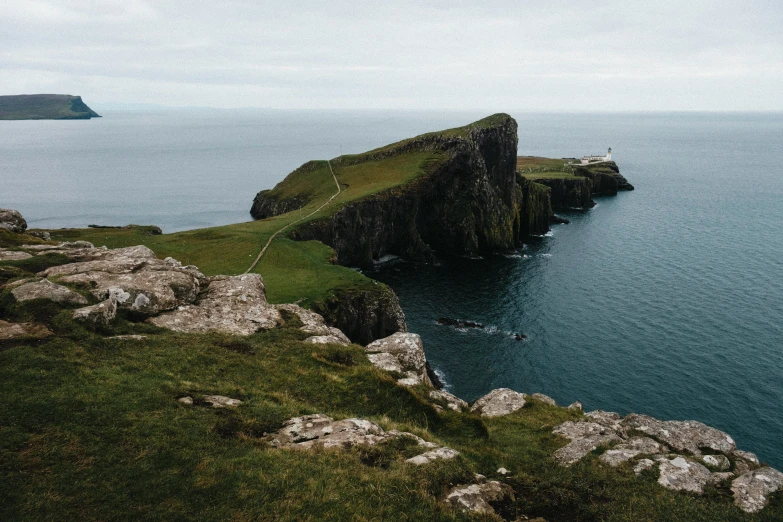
x: 45, y: 107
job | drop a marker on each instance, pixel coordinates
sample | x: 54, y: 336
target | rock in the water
x: 683, y: 475
x: 585, y: 437
x: 314, y: 323
x: 687, y: 436
x: 752, y: 489
x: 719, y: 462
x: 408, y: 350
x: 433, y: 455
x: 14, y: 255
x: 546, y: 399
x: 101, y: 313
x: 476, y: 498
x: 12, y: 221
x: 630, y: 449
x: 325, y: 339
x: 452, y: 401
x: 45, y: 289
x: 500, y: 401
x: 221, y: 401
x: 11, y: 331
x: 232, y: 304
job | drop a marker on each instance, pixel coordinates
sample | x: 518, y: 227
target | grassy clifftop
x: 45, y: 107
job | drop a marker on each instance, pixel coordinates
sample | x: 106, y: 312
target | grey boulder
x: 403, y: 353
x: 101, y: 313
x: 752, y: 489
x: 12, y: 221
x: 498, y: 402
x: 476, y: 498
x: 45, y: 289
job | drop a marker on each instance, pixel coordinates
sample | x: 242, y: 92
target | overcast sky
x: 498, y: 55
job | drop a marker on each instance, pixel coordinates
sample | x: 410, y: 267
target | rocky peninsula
x: 152, y: 376
x: 45, y: 107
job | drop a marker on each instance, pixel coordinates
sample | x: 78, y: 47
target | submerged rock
x: 232, y: 304
x: 12, y: 221
x: 458, y: 323
x: 500, y: 401
x: 402, y: 353
x: 45, y: 289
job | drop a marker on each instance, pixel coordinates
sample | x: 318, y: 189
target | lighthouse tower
x: 609, y: 155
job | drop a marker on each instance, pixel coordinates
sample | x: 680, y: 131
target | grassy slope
x: 534, y: 167
x: 91, y: 430
x: 44, y: 107
x: 292, y: 270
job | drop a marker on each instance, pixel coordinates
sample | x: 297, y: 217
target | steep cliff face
x: 470, y: 202
x: 569, y: 193
x: 364, y: 315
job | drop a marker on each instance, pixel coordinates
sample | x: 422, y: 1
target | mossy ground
x: 91, y: 429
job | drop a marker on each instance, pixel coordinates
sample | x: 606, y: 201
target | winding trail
x: 273, y: 236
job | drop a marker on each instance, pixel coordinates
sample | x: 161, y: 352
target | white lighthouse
x: 596, y: 159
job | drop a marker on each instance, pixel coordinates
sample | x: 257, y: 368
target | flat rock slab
x: 221, y: 401
x: 45, y: 289
x: 585, y: 437
x: 408, y: 350
x: 14, y: 255
x: 628, y: 450
x: 232, y: 304
x: 681, y: 474
x: 433, y: 455
x: 326, y: 339
x: 12, y: 331
x: 498, y: 402
x: 476, y: 498
x: 752, y: 489
x: 687, y: 436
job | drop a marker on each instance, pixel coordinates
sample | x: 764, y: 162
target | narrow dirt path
x: 269, y: 242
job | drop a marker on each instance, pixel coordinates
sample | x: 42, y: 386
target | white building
x: 595, y: 159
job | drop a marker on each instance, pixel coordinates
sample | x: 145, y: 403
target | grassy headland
x: 45, y: 107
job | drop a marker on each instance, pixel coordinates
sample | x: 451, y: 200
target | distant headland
x: 45, y: 107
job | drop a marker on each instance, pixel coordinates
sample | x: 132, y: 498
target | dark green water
x: 665, y: 300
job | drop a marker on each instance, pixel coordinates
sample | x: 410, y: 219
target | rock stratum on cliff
x: 45, y: 107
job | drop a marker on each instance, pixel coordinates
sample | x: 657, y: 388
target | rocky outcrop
x: 577, y: 191
x: 45, y: 289
x: 12, y: 221
x: 231, y: 304
x: 676, y: 447
x: 102, y: 313
x: 314, y: 324
x: 478, y: 498
x: 448, y: 400
x: 500, y: 401
x: 267, y: 204
x: 321, y: 431
x: 14, y: 255
x: 13, y: 331
x: 364, y: 315
x: 401, y: 353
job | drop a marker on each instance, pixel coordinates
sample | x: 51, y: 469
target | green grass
x: 91, y: 430
x: 534, y: 167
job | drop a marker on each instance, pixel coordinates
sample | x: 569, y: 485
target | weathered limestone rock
x: 752, y: 489
x: 683, y: 475
x: 682, y: 435
x: 746, y: 455
x: 576, y: 405
x: 630, y: 449
x: 642, y: 465
x: 585, y: 437
x: 12, y: 221
x: 185, y: 401
x: 101, y: 313
x: 314, y: 323
x: 609, y: 419
x: 221, y: 401
x: 11, y: 331
x: 500, y: 401
x: 546, y: 399
x: 476, y: 498
x: 408, y: 350
x: 321, y: 431
x: 433, y: 455
x: 325, y: 339
x: 452, y: 401
x: 45, y: 289
x: 232, y: 304
x: 719, y: 462
x: 14, y: 255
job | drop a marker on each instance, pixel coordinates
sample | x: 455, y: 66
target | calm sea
x: 665, y: 300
